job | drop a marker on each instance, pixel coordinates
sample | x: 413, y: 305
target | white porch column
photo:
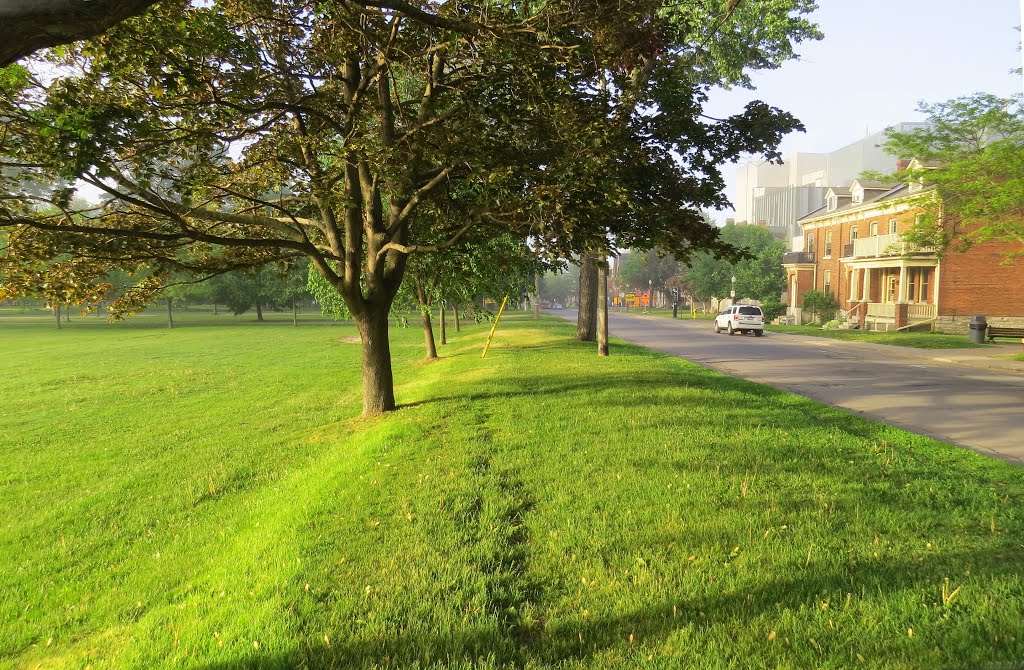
x: 903, y: 284
x: 792, y: 290
x: 867, y: 284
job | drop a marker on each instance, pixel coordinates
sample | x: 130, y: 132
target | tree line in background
x: 701, y: 278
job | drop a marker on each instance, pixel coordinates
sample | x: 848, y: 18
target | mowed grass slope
x: 207, y: 498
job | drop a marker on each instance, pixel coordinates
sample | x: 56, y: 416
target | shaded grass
x: 900, y: 339
x: 207, y: 497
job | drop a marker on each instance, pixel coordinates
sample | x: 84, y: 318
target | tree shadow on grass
x: 578, y: 640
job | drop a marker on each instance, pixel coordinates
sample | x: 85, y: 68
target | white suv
x: 741, y: 319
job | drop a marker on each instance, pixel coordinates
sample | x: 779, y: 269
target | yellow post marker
x: 495, y: 326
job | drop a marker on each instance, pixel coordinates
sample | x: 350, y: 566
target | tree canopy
x: 972, y: 153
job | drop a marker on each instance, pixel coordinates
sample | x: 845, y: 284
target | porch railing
x: 878, y: 310
x: 920, y: 312
x: 798, y: 258
x: 883, y: 245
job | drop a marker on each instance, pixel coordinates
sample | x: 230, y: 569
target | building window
x: 828, y: 244
x: 874, y: 229
x: 810, y: 242
x: 892, y: 226
x: 853, y: 233
x: 911, y: 285
x: 925, y: 272
x: 833, y: 203
x: 828, y: 281
x: 890, y: 288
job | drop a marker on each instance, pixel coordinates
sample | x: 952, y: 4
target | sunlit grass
x: 207, y: 497
x: 900, y: 339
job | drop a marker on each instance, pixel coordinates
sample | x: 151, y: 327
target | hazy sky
x: 878, y: 59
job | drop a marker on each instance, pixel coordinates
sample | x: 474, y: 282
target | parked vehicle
x: 741, y: 319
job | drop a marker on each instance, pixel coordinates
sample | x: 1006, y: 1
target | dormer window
x: 857, y: 196
x: 915, y: 186
x: 833, y: 203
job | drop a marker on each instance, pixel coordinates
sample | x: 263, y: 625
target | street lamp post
x: 732, y: 292
x: 650, y: 294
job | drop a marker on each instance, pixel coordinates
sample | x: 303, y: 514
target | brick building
x: 853, y: 248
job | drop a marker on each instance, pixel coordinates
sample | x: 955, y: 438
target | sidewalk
x: 992, y: 357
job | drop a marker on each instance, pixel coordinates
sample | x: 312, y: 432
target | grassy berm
x: 207, y: 497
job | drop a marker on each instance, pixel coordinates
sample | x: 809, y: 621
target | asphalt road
x: 975, y: 408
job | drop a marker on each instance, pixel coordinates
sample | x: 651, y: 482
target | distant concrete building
x: 776, y: 196
x: 779, y: 208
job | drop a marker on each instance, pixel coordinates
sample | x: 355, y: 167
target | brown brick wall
x: 978, y: 282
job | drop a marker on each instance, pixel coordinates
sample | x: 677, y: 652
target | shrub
x: 822, y: 305
x: 772, y: 309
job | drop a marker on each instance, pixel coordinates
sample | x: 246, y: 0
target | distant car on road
x: 741, y: 319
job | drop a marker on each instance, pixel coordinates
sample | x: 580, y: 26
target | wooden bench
x: 999, y: 331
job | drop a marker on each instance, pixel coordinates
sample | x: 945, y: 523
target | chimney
x: 902, y: 164
x: 762, y: 224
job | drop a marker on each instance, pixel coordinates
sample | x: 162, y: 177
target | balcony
x: 798, y: 258
x: 881, y: 245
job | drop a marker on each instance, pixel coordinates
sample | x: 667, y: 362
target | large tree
x: 237, y: 133
x: 971, y: 156
x: 655, y: 66
x: 251, y: 133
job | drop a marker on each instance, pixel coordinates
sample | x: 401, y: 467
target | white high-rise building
x: 775, y: 196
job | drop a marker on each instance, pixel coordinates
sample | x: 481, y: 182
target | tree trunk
x: 444, y: 325
x: 67, y: 313
x: 458, y: 326
x: 215, y: 309
x: 602, y: 307
x: 378, y: 383
x: 170, y: 314
x: 295, y: 314
x: 259, y: 312
x: 428, y: 333
x: 56, y: 313
x: 536, y: 297
x: 586, y: 321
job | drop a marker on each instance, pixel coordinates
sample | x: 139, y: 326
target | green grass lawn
x: 207, y: 497
x: 900, y: 339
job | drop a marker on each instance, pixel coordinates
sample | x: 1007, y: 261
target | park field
x: 208, y: 497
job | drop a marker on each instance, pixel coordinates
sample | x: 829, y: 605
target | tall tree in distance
x: 759, y: 272
x: 655, y: 157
